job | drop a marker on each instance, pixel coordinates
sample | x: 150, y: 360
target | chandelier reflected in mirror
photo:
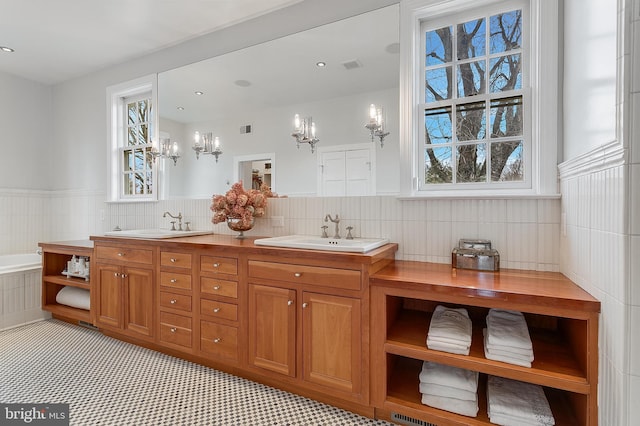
x: 304, y: 131
x: 166, y: 150
x: 377, y: 124
x: 205, y: 143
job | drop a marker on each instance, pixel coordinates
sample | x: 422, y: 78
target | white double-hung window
x: 132, y: 119
x: 475, y: 97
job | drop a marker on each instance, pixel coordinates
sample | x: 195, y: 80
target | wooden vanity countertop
x: 548, y: 292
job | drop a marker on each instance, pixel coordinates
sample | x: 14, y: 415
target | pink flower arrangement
x: 239, y: 203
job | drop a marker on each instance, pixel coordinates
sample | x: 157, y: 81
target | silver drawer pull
x: 173, y: 260
x: 216, y: 310
x: 289, y: 302
x: 173, y: 301
x: 216, y: 265
x: 217, y: 340
x: 297, y: 275
x: 173, y: 280
x: 173, y: 329
x: 216, y: 287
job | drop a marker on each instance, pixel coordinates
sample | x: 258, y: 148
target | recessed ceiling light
x: 6, y: 49
x: 321, y: 64
x: 199, y: 93
x: 180, y: 108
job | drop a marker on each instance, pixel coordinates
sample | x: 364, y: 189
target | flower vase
x: 240, y: 225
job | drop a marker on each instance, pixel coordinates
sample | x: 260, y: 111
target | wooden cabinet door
x: 108, y: 299
x: 138, y: 301
x: 332, y: 341
x: 272, y: 329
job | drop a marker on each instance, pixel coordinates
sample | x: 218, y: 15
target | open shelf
x: 554, y: 363
x: 54, y: 261
x: 403, y: 395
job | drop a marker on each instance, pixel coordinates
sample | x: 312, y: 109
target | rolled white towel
x: 515, y: 399
x: 508, y: 328
x: 74, y: 297
x: 451, y: 323
x: 448, y: 392
x: 458, y: 406
x: 453, y: 348
x: 447, y: 375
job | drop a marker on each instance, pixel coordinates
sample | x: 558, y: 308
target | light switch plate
x: 277, y: 221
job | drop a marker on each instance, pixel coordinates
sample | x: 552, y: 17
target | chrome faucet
x: 336, y: 221
x: 173, y: 223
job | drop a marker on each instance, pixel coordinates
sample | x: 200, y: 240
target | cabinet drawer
x: 219, y: 340
x: 175, y: 329
x: 175, y: 280
x: 219, y: 265
x: 348, y: 279
x: 216, y: 309
x: 175, y: 260
x: 175, y: 301
x: 125, y: 254
x: 217, y: 287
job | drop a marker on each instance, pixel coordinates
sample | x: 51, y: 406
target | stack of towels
x: 450, y: 330
x: 507, y: 339
x: 449, y: 388
x: 514, y: 403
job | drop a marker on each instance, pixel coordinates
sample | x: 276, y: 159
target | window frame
x: 541, y: 127
x: 117, y: 98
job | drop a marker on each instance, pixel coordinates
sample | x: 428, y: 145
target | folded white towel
x: 448, y: 392
x: 506, y: 356
x: 458, y: 406
x: 504, y: 420
x: 515, y: 399
x: 451, y: 323
x: 447, y: 347
x: 447, y: 375
x: 508, y: 328
x: 511, y: 350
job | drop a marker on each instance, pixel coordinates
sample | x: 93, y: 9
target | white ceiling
x: 58, y: 40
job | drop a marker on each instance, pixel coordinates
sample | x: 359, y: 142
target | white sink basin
x: 156, y: 233
x: 310, y: 242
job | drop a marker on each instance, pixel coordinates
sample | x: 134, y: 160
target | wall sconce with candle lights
x: 166, y: 150
x: 304, y: 131
x: 205, y: 143
x: 377, y: 124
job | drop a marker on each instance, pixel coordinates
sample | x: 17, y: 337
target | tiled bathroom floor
x: 109, y: 382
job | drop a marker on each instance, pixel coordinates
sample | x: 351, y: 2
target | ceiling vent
x: 351, y: 65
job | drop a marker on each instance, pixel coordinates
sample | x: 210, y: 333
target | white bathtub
x: 20, y: 290
x: 19, y: 262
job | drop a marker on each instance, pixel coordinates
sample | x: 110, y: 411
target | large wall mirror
x: 248, y: 99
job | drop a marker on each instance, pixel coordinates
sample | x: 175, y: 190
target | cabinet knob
x: 305, y: 304
x: 173, y: 280
x: 120, y: 254
x: 216, y: 287
x: 173, y: 301
x: 173, y: 260
x: 216, y: 265
x: 173, y: 329
x: 115, y: 274
x: 217, y: 340
x: 289, y: 302
x: 124, y: 275
x: 297, y: 274
x: 216, y: 310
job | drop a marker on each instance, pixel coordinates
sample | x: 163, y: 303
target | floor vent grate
x: 87, y: 325
x: 410, y: 421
